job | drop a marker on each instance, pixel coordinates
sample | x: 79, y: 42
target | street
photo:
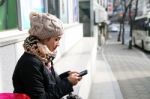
x: 127, y: 68
x: 114, y: 36
x: 130, y: 67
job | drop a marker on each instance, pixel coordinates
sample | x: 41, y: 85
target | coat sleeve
x: 35, y: 86
x: 64, y: 75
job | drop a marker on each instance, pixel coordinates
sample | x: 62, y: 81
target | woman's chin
x: 53, y: 50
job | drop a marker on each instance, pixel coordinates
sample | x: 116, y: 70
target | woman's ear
x: 48, y: 38
x: 44, y: 41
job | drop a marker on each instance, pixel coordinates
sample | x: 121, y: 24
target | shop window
x: 24, y: 9
x: 8, y: 14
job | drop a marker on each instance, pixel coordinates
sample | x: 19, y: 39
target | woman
x: 34, y: 74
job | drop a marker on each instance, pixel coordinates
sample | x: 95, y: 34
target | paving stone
x: 131, y: 69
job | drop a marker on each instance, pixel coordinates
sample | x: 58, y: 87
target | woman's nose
x: 58, y: 44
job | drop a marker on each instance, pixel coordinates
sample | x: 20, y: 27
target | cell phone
x: 82, y: 73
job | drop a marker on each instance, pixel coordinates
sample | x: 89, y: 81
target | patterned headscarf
x: 34, y: 46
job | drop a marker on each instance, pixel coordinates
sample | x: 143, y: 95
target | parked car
x: 113, y: 28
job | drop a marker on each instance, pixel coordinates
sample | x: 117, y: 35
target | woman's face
x: 52, y: 43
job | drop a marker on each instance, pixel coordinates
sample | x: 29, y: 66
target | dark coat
x: 34, y: 79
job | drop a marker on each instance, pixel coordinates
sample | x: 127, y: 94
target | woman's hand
x: 74, y: 77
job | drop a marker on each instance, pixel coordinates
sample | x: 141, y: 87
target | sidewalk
x: 121, y: 73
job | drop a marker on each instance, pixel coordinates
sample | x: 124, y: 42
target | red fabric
x: 13, y: 96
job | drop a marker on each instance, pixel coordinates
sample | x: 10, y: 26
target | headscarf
x: 33, y: 45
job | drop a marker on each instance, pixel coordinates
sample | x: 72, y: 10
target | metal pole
x: 130, y: 41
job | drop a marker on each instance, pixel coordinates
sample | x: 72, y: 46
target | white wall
x: 7, y: 63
